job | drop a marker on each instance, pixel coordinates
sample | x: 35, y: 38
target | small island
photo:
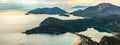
x: 54, y: 10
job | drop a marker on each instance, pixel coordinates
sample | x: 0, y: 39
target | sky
x: 65, y: 4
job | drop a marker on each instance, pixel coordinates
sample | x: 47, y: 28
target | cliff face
x: 103, y: 6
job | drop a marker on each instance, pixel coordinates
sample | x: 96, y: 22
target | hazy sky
x: 29, y: 4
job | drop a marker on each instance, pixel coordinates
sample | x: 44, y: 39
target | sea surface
x: 13, y: 23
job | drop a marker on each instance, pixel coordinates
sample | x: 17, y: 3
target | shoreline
x: 78, y: 39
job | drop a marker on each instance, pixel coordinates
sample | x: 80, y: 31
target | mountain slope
x: 101, y: 10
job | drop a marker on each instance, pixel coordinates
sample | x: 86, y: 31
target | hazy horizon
x: 67, y: 5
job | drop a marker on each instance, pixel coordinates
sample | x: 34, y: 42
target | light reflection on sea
x: 12, y: 23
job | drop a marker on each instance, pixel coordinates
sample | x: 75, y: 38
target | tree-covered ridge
x: 56, y: 26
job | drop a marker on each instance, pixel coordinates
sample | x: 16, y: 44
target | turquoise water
x: 101, y: 29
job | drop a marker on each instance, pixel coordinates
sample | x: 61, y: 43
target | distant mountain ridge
x: 79, y: 6
x: 101, y: 10
x: 54, y: 10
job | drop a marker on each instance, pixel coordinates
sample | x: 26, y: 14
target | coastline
x: 78, y: 39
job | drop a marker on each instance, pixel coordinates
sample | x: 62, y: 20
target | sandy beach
x: 77, y: 41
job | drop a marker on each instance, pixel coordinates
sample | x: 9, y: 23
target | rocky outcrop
x: 103, y: 6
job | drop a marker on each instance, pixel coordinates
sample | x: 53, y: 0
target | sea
x: 13, y: 23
